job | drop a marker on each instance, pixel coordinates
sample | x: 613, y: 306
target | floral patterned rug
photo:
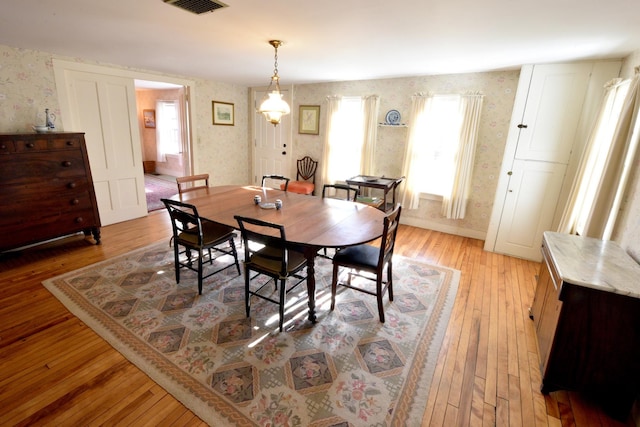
x: 348, y: 369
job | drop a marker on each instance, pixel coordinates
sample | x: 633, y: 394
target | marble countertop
x: 593, y: 263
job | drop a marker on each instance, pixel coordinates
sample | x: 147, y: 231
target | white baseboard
x: 430, y: 225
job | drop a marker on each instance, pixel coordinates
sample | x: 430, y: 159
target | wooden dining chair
x: 340, y: 191
x: 196, y: 234
x: 305, y: 182
x: 365, y: 260
x: 192, y: 182
x: 284, y: 181
x: 266, y: 253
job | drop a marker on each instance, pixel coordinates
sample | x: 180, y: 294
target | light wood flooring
x: 56, y: 371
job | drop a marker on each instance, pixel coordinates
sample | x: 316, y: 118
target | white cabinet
x: 552, y: 114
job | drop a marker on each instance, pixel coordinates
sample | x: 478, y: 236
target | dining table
x: 310, y: 222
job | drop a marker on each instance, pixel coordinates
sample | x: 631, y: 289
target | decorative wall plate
x: 392, y: 117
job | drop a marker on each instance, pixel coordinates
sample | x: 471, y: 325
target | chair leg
x: 379, y: 297
x: 334, y: 286
x: 200, y: 272
x: 176, y: 260
x: 283, y: 296
x: 235, y: 254
x: 390, y: 279
x: 247, y: 294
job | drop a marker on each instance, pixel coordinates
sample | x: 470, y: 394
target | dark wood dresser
x: 46, y: 188
x: 586, y: 312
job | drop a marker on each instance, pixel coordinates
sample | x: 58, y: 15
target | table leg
x: 310, y: 255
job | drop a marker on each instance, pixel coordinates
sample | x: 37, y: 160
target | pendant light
x: 273, y: 106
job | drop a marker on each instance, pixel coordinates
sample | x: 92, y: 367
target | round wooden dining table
x: 310, y: 222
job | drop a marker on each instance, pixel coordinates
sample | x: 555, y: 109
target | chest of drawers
x: 586, y: 312
x: 46, y: 189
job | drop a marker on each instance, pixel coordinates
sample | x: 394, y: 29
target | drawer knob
x: 79, y: 220
x: 72, y: 185
x: 30, y: 145
x: 70, y: 143
x: 75, y: 201
x: 66, y: 163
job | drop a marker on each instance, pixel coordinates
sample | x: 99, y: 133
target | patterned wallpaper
x: 27, y: 87
x: 499, y: 89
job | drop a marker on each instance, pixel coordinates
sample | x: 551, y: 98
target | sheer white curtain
x: 349, y: 145
x: 455, y: 197
x: 333, y: 107
x: 618, y: 165
x: 592, y: 163
x: 412, y: 169
x: 371, y: 107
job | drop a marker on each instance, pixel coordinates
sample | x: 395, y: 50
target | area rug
x: 348, y: 369
x: 156, y: 189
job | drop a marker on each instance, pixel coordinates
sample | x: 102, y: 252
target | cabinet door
x: 546, y: 312
x: 554, y: 104
x: 530, y: 203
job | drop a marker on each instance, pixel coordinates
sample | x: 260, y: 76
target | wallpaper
x: 27, y: 87
x: 499, y: 90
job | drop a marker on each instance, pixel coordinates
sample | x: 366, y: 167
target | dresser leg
x: 96, y: 234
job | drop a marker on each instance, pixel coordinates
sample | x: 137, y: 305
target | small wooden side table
x: 387, y: 185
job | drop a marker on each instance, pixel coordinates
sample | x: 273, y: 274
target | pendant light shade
x: 273, y: 106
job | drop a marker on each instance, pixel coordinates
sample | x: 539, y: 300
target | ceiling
x: 332, y: 40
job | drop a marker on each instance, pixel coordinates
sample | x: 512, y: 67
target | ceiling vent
x: 197, y: 6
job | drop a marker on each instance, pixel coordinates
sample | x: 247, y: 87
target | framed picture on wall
x: 309, y: 119
x: 222, y: 113
x: 149, y: 117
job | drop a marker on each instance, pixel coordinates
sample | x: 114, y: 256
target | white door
x: 529, y: 207
x: 104, y: 107
x: 272, y: 144
x: 547, y: 114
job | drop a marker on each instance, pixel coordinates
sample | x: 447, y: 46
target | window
x: 346, y: 139
x: 168, y: 134
x: 436, y: 141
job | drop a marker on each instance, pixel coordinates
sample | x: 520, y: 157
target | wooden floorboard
x: 56, y: 371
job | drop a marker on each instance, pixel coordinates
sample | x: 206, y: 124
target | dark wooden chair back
x: 285, y: 181
x: 340, y: 188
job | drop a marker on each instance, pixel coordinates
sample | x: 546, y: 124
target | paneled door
x: 271, y: 144
x: 550, y: 113
x: 104, y: 107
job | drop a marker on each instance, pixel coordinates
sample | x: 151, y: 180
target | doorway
x: 164, y: 137
x: 113, y: 143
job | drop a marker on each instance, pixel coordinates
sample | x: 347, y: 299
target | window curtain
x: 592, y: 162
x: 371, y: 107
x: 165, y: 130
x: 617, y: 167
x: 454, y: 201
x: 411, y: 169
x: 333, y: 107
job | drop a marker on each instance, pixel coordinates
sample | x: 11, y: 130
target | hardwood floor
x: 56, y: 371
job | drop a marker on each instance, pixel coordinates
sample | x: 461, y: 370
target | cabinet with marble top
x: 586, y: 312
